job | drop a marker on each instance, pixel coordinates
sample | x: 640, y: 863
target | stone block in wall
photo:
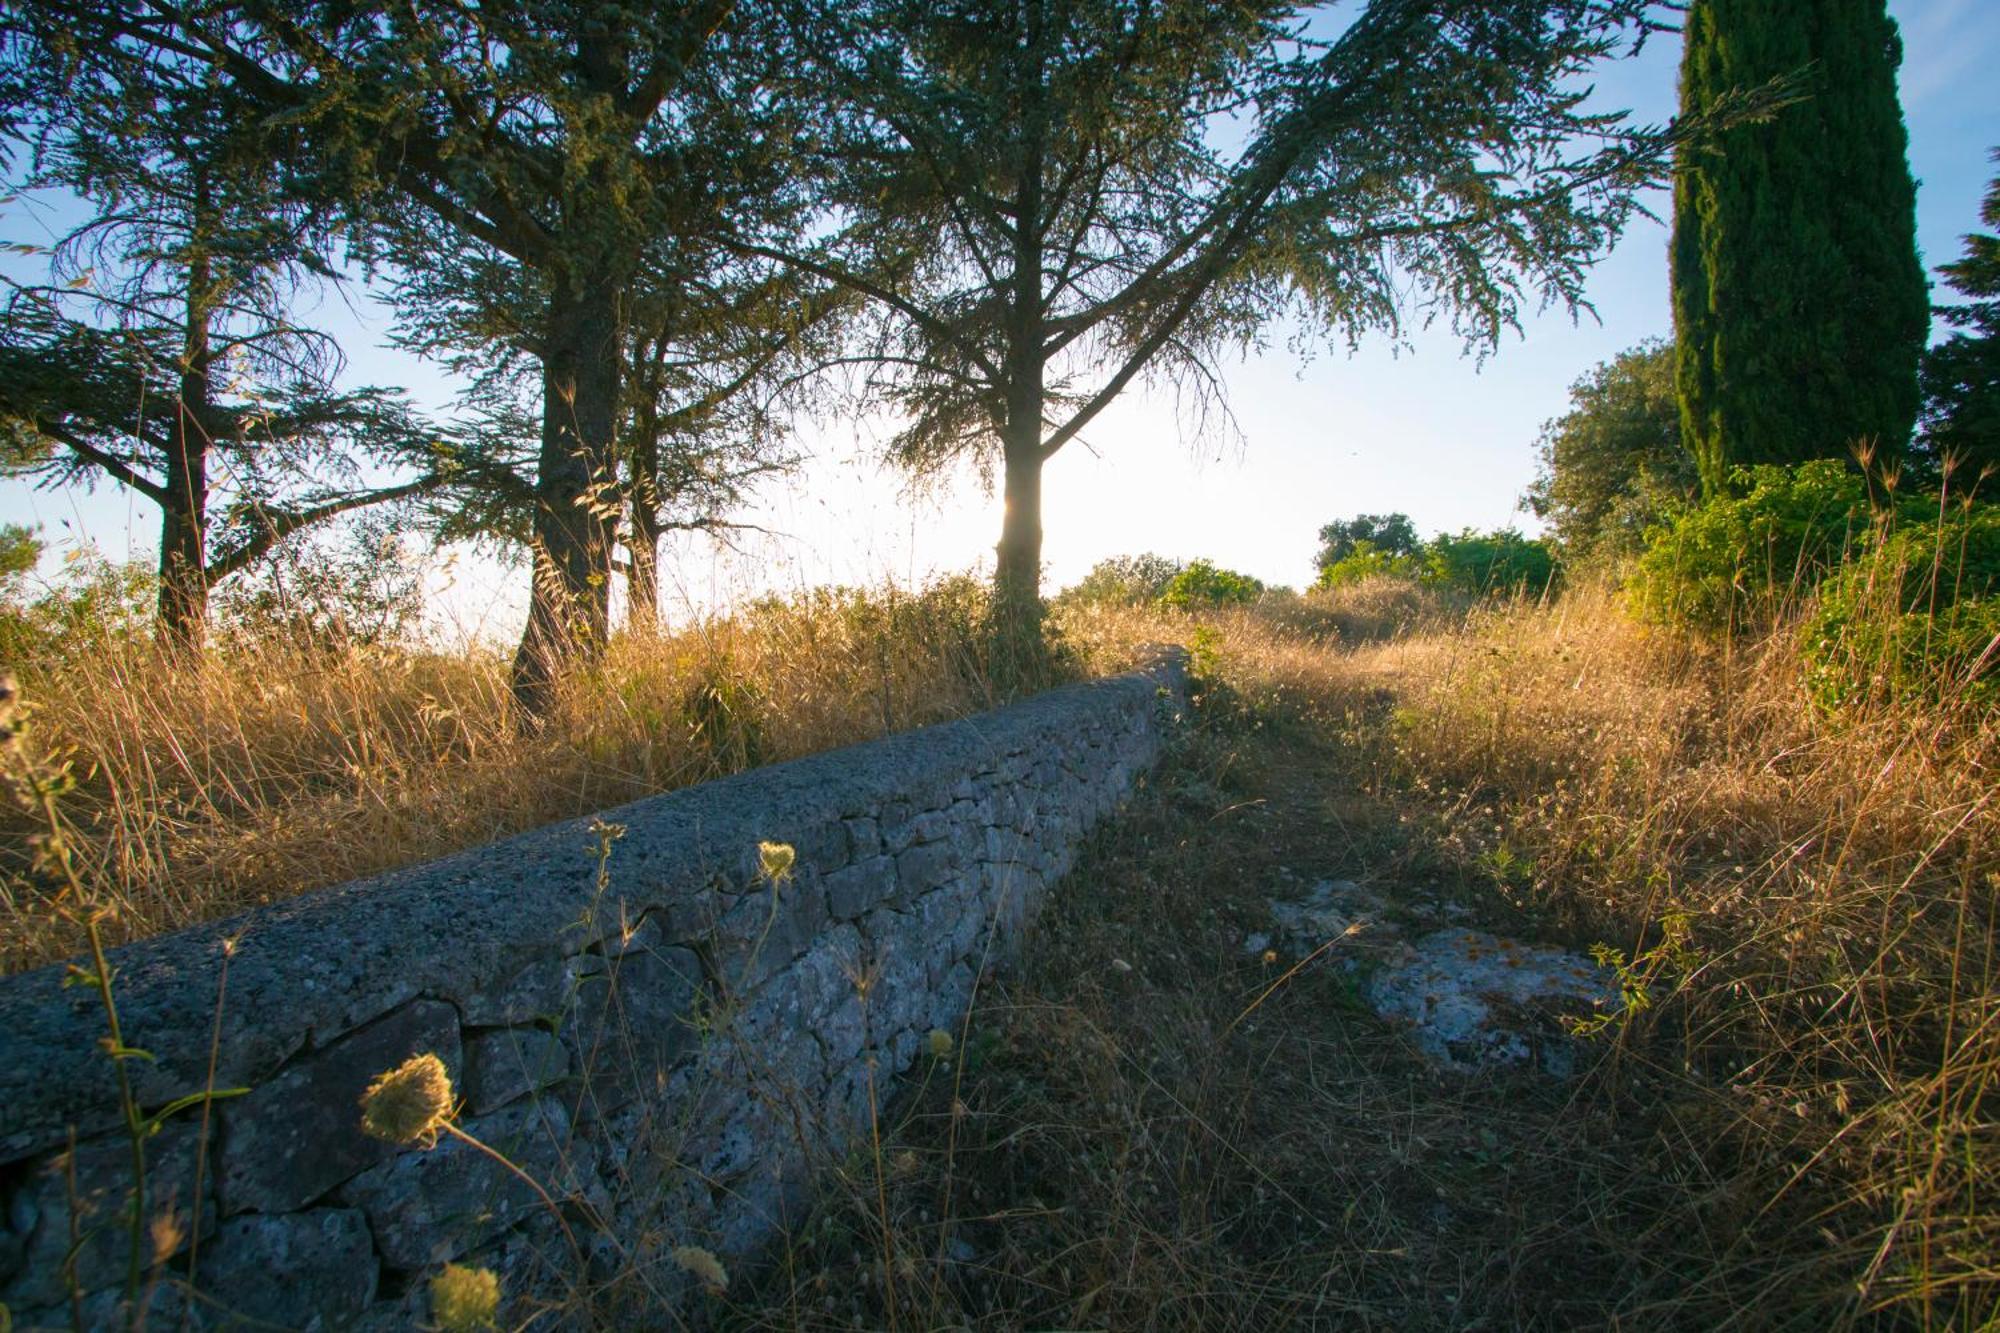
x: 429, y: 1205
x: 924, y: 867
x: 273, y: 1268
x: 905, y: 831
x: 508, y: 1063
x: 851, y: 893
x: 298, y: 1135
x: 97, y: 1179
x: 864, y: 838
x: 632, y: 1023
x: 764, y: 931
x: 542, y: 990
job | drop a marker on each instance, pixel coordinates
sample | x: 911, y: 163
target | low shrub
x: 1203, y: 583
x: 1364, y: 561
x: 1749, y: 554
x: 1915, y: 615
x: 1479, y: 563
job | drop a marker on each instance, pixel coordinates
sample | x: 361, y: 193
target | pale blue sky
x: 1422, y: 430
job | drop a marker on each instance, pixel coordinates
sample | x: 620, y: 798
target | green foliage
x: 89, y: 604
x: 1501, y: 561
x: 1203, y: 584
x: 1961, y: 375
x: 1385, y: 534
x: 1364, y: 561
x: 1916, y: 615
x: 1799, y: 303
x: 1774, y: 532
x: 1614, y: 463
x: 363, y: 589
x: 1125, y: 580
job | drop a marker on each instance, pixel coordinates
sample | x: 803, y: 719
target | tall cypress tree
x: 1800, y: 307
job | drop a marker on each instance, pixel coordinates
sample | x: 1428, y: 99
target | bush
x: 1125, y: 580
x: 1917, y: 615
x: 87, y: 607
x: 1746, y: 553
x: 1203, y: 584
x: 1365, y: 560
x: 1487, y: 562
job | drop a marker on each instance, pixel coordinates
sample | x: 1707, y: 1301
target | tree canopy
x: 1615, y: 461
x: 1961, y: 375
x: 1046, y: 201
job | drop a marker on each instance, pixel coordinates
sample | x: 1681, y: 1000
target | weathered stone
x: 430, y: 1205
x: 629, y: 1026
x: 764, y: 932
x: 98, y: 1180
x: 159, y: 1305
x: 296, y: 1137
x: 924, y: 867
x: 850, y: 893
x: 921, y: 827
x: 521, y: 935
x: 509, y: 1063
x: 864, y: 838
x: 1475, y: 1001
x: 539, y: 991
x: 276, y: 1268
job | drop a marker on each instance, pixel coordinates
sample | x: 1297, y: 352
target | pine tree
x: 1961, y: 375
x: 1800, y: 306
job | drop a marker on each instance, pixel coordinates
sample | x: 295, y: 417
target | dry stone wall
x: 660, y: 1039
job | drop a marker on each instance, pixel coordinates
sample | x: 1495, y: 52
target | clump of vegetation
x: 1755, y: 550
x: 1501, y: 561
x: 1914, y: 615
x: 1129, y: 580
x: 1204, y: 584
x: 1378, y: 547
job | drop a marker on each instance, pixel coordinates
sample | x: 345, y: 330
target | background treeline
x: 645, y: 239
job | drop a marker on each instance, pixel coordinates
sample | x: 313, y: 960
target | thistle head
x: 410, y: 1103
x: 465, y: 1299
x: 938, y: 1043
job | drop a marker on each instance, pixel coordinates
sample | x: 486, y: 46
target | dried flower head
x: 938, y: 1043
x: 704, y: 1267
x: 464, y: 1299
x: 10, y: 708
x: 776, y: 859
x: 410, y: 1103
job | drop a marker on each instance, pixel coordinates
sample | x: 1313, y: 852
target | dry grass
x: 270, y: 768
x: 1799, y: 1133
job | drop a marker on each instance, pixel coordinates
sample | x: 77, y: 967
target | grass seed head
x: 704, y: 1267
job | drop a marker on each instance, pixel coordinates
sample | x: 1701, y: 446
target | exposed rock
x: 432, y: 1205
x: 98, y: 1181
x: 1476, y: 1001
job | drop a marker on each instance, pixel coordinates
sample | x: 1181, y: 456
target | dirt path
x: 1148, y: 1126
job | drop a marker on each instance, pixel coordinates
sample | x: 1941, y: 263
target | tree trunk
x: 183, y: 598
x: 576, y: 513
x: 642, y: 584
x: 1017, y: 576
